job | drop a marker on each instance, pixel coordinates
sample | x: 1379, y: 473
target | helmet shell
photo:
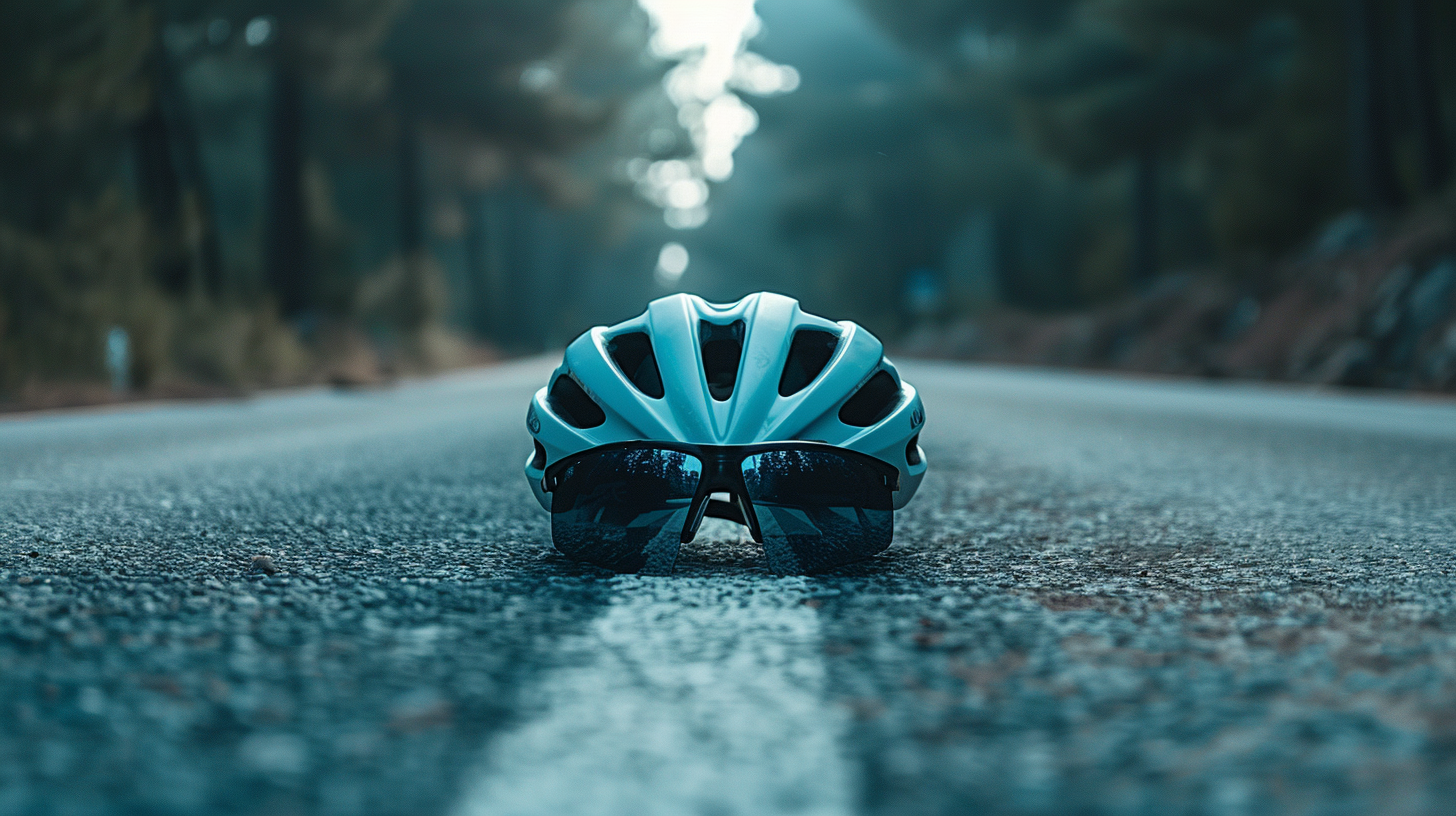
x: 856, y: 400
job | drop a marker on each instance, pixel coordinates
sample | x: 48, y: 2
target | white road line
x: 686, y: 696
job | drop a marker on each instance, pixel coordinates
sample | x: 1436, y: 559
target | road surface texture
x: 1111, y: 596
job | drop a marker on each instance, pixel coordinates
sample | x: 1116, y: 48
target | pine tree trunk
x: 499, y: 259
x: 414, y: 309
x: 287, y: 252
x: 169, y: 167
x: 1145, y: 261
x: 410, y: 189
x: 1010, y: 282
x: 1420, y: 77
x: 160, y: 189
x: 158, y: 183
x: 188, y: 155
x: 1371, y: 144
x: 477, y: 265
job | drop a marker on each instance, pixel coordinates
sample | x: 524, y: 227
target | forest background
x: 245, y: 193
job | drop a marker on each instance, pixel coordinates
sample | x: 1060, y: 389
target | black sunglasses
x: 628, y: 506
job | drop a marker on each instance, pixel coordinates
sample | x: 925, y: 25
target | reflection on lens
x: 818, y: 510
x: 624, y: 510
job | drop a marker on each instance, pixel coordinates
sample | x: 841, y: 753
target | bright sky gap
x: 709, y: 41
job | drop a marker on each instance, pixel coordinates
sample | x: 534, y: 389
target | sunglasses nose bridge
x: 722, y: 473
x: 719, y: 459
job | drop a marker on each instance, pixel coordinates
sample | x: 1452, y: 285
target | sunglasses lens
x: 818, y: 510
x: 624, y: 509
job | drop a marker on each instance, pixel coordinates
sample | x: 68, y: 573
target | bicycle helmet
x: 759, y: 370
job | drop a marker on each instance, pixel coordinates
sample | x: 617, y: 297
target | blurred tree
x: 883, y: 180
x: 413, y: 85
x: 502, y: 89
x: 1235, y: 103
x: 170, y: 178
x: 1372, y: 143
x: 75, y: 82
x: 101, y: 157
x: 73, y: 255
x: 947, y: 27
x: 324, y: 47
x: 461, y: 62
x: 1145, y: 79
x: 1417, y: 39
x: 980, y: 162
x: 457, y: 68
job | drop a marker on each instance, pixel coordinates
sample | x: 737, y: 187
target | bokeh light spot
x: 258, y: 31
x: 672, y: 263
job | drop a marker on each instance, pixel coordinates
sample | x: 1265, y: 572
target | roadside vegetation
x: 258, y: 192
x: 249, y: 189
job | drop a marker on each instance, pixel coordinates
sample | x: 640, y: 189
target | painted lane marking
x: 686, y: 696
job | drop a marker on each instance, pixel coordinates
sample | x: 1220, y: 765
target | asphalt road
x: 1111, y: 596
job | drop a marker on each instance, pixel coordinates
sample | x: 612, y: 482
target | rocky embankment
x: 1354, y: 309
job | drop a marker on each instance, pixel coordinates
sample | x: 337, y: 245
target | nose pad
x: 749, y: 516
x: 696, y: 512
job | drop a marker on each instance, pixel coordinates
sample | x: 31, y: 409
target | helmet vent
x: 912, y: 451
x: 632, y: 352
x: 809, y: 353
x: 570, y: 401
x: 538, y: 459
x: 872, y: 402
x: 722, y: 349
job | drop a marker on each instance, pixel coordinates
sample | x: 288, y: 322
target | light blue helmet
x: 759, y: 370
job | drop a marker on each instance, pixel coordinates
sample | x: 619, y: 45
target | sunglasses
x: 813, y: 506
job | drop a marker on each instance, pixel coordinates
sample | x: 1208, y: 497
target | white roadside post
x: 118, y: 359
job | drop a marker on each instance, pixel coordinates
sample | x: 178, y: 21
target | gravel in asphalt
x: 1112, y: 596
